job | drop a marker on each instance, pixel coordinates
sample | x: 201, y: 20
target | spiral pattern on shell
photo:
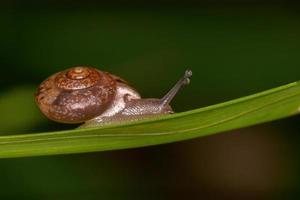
x: 76, y: 94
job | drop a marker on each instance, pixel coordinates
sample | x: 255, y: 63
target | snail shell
x: 76, y: 94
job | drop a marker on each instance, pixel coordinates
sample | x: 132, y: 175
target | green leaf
x: 262, y: 107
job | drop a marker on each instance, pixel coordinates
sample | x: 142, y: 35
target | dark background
x: 234, y: 48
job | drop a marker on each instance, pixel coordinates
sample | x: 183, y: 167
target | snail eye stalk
x: 184, y: 80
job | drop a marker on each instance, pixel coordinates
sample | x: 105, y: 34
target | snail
x: 87, y: 95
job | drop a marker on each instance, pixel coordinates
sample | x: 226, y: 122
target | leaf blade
x: 270, y: 105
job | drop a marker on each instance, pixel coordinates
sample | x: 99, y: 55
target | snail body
x: 85, y: 94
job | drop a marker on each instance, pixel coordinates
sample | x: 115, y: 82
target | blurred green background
x: 234, y: 48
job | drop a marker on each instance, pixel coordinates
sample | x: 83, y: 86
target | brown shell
x: 76, y: 94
